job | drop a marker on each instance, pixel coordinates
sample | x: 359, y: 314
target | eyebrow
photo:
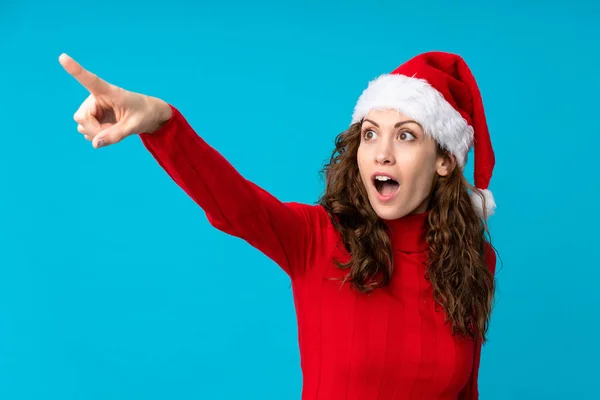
x: 397, y: 123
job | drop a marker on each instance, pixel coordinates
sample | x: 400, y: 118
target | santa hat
x: 439, y: 91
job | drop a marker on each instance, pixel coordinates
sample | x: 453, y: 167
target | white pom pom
x: 490, y: 204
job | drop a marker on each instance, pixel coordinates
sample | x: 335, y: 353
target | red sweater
x: 391, y: 344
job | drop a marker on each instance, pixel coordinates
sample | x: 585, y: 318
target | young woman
x: 392, y: 276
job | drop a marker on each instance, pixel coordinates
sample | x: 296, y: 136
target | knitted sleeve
x: 471, y: 389
x: 232, y: 204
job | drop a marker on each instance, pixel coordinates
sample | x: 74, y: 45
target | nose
x: 384, y: 154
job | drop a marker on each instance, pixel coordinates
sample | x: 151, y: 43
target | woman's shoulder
x: 319, y: 222
x: 323, y: 239
x: 315, y: 214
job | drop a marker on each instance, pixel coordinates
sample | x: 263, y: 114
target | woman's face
x: 397, y: 164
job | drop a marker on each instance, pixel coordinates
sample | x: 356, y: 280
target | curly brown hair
x: 461, y: 280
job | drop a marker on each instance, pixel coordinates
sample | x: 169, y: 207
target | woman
x: 392, y: 277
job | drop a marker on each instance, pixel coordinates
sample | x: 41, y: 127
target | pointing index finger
x: 88, y: 80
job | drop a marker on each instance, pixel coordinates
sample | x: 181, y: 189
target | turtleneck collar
x: 407, y: 234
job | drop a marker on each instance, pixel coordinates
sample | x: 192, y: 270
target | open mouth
x: 385, y: 185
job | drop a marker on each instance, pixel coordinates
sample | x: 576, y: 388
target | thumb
x: 111, y: 135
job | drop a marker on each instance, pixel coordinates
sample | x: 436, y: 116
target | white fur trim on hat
x: 490, y: 204
x: 417, y: 99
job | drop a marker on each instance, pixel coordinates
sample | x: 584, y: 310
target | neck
x: 408, y: 234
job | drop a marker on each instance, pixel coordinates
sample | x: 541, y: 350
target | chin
x: 395, y: 209
x: 390, y: 211
x: 390, y: 215
x: 394, y: 204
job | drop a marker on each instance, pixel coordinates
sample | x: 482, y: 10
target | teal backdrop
x: 114, y: 286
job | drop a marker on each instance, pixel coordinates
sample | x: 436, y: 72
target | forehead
x: 387, y: 116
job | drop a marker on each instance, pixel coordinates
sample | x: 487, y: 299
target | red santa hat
x: 439, y: 91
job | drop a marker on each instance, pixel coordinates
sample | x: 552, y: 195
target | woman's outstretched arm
x: 285, y: 232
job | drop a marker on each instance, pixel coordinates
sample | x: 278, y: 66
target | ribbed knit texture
x: 392, y: 344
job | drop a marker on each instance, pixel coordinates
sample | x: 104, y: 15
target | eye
x: 369, y: 134
x: 406, y: 136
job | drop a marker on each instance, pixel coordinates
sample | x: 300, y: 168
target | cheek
x: 360, y: 160
x: 418, y: 172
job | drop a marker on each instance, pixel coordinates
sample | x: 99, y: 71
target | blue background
x: 114, y: 286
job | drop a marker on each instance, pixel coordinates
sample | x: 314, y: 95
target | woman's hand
x: 110, y: 114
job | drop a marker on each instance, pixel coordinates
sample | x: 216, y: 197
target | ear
x: 445, y: 164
